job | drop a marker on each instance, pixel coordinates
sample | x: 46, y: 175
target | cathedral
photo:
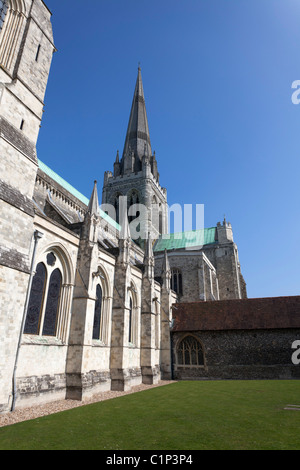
x: 88, y: 286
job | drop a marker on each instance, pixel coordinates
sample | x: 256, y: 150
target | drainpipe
x: 37, y: 235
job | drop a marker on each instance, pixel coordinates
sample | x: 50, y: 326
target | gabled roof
x: 186, y: 240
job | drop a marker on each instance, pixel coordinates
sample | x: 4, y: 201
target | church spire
x: 138, y: 130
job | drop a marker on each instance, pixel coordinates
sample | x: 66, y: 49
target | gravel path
x: 25, y: 414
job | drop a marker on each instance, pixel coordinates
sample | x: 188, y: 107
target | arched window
x: 46, y: 298
x: 103, y: 307
x: 36, y: 301
x: 130, y: 324
x: 116, y: 204
x: 53, y: 297
x: 133, y: 322
x: 97, y: 314
x: 189, y: 352
x: 160, y: 222
x: 176, y: 281
x: 133, y: 198
x: 11, y: 25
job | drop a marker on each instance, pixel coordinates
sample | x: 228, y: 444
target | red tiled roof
x: 245, y: 314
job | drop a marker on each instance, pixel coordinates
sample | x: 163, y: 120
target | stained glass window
x: 98, y: 311
x: 50, y: 319
x: 3, y: 11
x: 36, y: 300
x: 189, y: 352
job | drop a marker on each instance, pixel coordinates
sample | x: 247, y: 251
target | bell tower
x: 136, y: 174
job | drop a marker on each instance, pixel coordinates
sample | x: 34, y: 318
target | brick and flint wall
x: 240, y: 339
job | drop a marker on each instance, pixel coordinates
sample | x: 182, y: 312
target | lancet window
x: 176, y: 281
x: 102, y: 309
x: 98, y: 313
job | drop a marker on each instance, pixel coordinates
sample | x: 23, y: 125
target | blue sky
x: 217, y: 77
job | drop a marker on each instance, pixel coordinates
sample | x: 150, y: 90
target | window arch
x: 189, y: 352
x: 176, y: 281
x: 50, y: 297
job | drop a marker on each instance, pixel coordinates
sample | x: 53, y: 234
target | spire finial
x: 93, y: 206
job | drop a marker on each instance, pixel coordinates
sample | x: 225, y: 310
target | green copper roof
x: 63, y: 182
x: 74, y: 191
x: 189, y: 239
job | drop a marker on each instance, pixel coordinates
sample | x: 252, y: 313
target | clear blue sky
x: 217, y: 78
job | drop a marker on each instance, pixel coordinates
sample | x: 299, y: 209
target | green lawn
x: 181, y: 416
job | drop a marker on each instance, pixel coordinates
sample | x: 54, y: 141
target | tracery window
x: 98, y: 313
x: 176, y: 281
x: 189, y: 352
x: 45, y: 297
